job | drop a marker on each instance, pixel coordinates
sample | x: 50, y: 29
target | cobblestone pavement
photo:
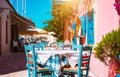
x: 12, y: 64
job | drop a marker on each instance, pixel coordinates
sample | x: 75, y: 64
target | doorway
x: 14, y: 38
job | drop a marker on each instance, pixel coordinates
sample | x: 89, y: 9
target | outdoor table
x: 56, y: 59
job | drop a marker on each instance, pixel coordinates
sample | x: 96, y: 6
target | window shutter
x: 90, y: 28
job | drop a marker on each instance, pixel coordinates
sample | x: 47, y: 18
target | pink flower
x: 117, y: 6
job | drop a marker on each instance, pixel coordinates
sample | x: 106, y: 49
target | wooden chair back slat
x: 30, y: 62
x: 30, y: 56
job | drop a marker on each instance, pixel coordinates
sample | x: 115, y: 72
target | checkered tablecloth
x: 55, y: 60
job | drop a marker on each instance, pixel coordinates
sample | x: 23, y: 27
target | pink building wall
x: 5, y: 47
x: 98, y: 68
x: 106, y: 19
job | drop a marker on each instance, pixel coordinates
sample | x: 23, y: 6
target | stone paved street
x: 13, y: 64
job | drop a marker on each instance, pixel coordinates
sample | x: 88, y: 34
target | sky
x: 37, y: 10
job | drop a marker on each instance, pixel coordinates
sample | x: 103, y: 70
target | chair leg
x: 73, y: 75
x: 69, y: 74
x: 29, y: 73
x: 87, y: 73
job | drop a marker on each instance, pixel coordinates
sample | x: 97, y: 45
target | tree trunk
x: 66, y: 33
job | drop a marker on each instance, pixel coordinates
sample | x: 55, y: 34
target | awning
x: 32, y: 31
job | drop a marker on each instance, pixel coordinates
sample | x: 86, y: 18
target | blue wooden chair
x: 33, y: 69
x: 82, y: 69
x: 44, y: 43
x: 39, y: 46
x: 60, y: 45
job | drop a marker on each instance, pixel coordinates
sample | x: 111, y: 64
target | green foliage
x: 56, y: 27
x: 59, y: 40
x: 56, y: 24
x: 108, y: 49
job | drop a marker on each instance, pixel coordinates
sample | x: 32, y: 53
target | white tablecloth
x: 72, y: 56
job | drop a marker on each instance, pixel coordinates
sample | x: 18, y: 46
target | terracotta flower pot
x: 82, y: 40
x: 117, y: 73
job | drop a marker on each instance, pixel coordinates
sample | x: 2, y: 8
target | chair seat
x: 74, y: 68
x: 40, y: 68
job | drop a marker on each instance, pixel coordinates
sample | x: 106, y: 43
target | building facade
x: 10, y: 25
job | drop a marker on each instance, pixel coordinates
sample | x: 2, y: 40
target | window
x: 6, y: 32
x: 90, y: 27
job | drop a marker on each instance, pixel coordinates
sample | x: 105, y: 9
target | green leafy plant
x: 108, y: 49
x: 61, y: 13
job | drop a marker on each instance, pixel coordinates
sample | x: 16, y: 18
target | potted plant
x: 108, y: 51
